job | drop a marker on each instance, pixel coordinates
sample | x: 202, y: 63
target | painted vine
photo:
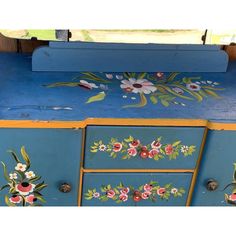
x: 156, y: 88
x: 22, y: 183
x: 151, y: 191
x: 133, y: 148
x: 231, y: 198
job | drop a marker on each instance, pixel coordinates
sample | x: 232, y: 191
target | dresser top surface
x: 75, y: 96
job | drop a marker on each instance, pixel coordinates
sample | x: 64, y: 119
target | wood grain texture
x: 7, y: 44
x: 231, y: 51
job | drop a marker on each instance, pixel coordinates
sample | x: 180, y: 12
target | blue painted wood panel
x: 142, y: 147
x: 137, y: 59
x: 27, y: 95
x: 217, y: 163
x: 132, y: 188
x: 54, y: 155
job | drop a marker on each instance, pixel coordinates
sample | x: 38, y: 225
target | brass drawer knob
x: 65, y: 188
x: 212, y: 185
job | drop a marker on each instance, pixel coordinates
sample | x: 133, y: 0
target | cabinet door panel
x: 135, y: 189
x: 217, y: 164
x: 142, y: 147
x: 54, y: 155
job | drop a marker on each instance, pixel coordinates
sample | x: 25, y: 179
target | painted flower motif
x: 193, y: 87
x: 138, y: 86
x: 128, y: 90
x: 159, y: 74
x: 174, y: 190
x: 178, y: 90
x: 145, y: 195
x: 117, y: 147
x: 25, y: 188
x: 119, y: 77
x: 135, y: 143
x: 15, y: 199
x: 29, y: 174
x: 144, y: 153
x: 96, y: 195
x: 87, y: 85
x: 161, y: 191
x: 208, y: 82
x: 21, y: 167
x: 103, y: 87
x: 232, y: 197
x: 169, y: 149
x: 137, y: 196
x: 147, y: 188
x: 30, y: 199
x: 13, y: 175
x: 123, y: 197
x: 102, y: 148
x: 109, y: 76
x: 153, y: 153
x: 184, y: 149
x: 156, y: 144
x: 110, y: 193
x: 132, y: 152
x: 124, y: 190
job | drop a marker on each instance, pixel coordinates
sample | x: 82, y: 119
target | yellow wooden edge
x: 116, y: 122
x: 137, y: 170
x: 195, y: 174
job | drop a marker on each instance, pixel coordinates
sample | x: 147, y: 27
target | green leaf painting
x: 21, y: 182
x: 155, y: 88
x: 151, y: 191
x: 132, y: 148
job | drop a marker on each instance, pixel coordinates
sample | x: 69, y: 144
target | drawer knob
x: 212, y: 185
x: 65, y: 188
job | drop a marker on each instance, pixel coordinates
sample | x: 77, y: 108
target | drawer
x: 218, y: 167
x: 54, y: 156
x: 120, y: 147
x: 135, y: 189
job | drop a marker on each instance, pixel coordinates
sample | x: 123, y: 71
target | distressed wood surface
x: 27, y: 95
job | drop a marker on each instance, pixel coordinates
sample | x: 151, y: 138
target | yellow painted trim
x: 195, y: 174
x: 137, y: 170
x: 116, y: 122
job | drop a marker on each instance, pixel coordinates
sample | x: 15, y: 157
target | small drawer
x: 135, y: 189
x: 120, y: 147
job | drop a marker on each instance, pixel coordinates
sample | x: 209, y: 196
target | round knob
x: 65, y: 188
x: 212, y: 185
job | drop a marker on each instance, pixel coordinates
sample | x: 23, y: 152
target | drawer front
x: 142, y: 147
x: 217, y: 167
x: 135, y: 189
x: 54, y: 156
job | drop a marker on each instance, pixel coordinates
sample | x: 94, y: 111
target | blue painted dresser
x: 82, y: 124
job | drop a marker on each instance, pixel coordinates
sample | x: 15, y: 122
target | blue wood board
x: 24, y: 95
x: 129, y: 59
x: 217, y: 163
x: 102, y: 160
x: 134, y: 46
x: 95, y: 180
x: 47, y: 149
